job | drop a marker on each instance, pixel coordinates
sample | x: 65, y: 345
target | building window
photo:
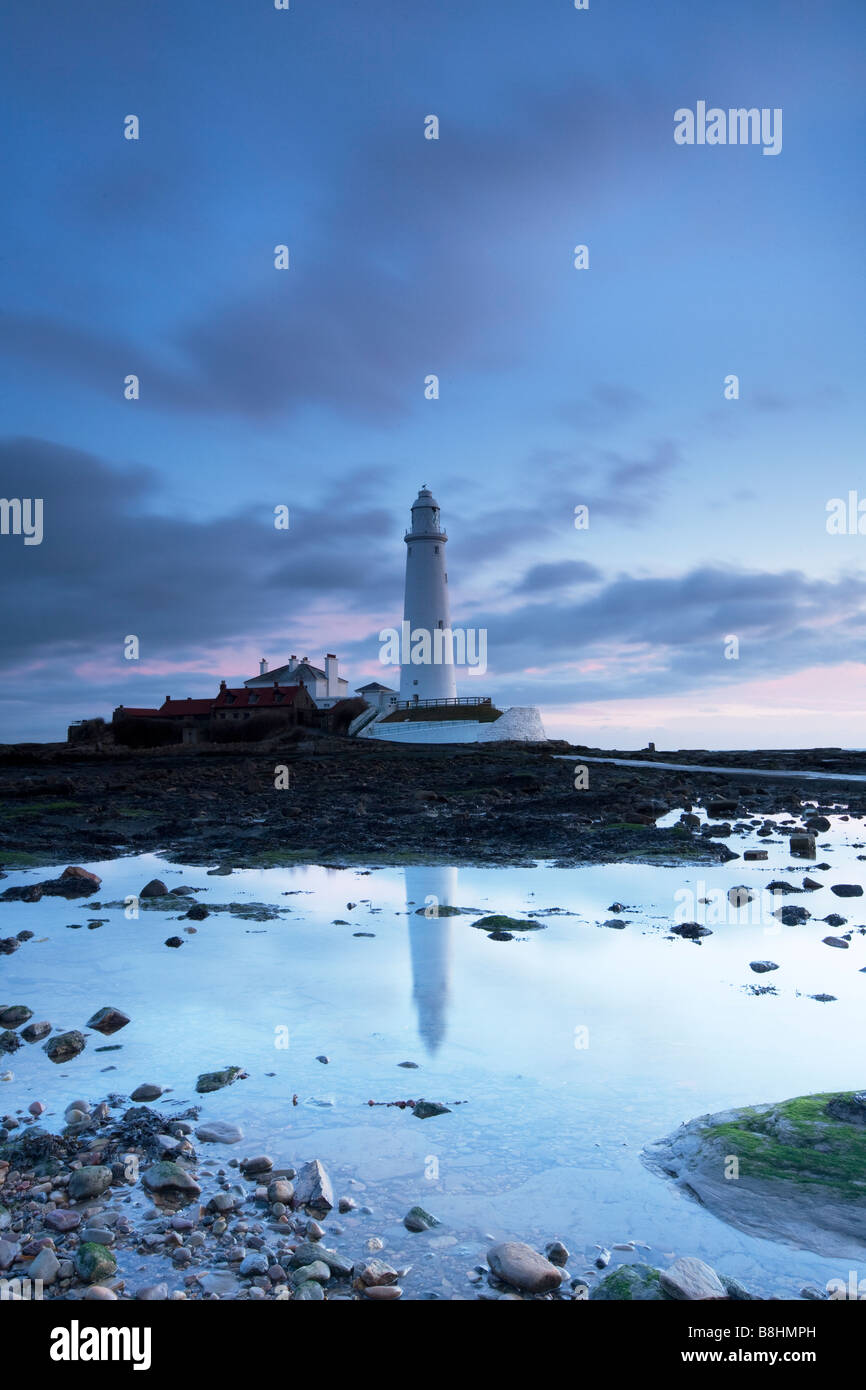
x: 436, y: 548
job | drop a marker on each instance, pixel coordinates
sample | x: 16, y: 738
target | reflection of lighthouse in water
x: 430, y: 945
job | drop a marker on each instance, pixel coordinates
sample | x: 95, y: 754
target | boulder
x: 35, y: 1032
x: 171, y: 1180
x: 108, y: 1020
x: 691, y: 1280
x: 219, y: 1132
x: 376, y: 1272
x: 313, y: 1188
x: 638, y: 1283
x: 13, y: 1015
x: 318, y: 1271
x: 93, y: 1263
x: 45, y: 1266
x: 260, y: 1163
x: 523, y: 1267
x: 216, y: 1080
x: 803, y: 846
x: 426, y: 1109
x: 63, y: 1220
x: 64, y: 1046
x: 89, y: 1182
x: 154, y: 889
x: 146, y: 1091
x: 792, y: 916
x: 417, y: 1219
x: 309, y: 1251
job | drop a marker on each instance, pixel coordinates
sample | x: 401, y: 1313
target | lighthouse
x: 426, y: 606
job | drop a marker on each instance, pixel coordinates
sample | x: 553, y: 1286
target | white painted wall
x: 521, y: 722
x: 426, y: 599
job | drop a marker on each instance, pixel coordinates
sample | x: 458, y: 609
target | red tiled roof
x: 264, y: 696
x: 177, y: 707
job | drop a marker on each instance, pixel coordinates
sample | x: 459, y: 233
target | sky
x: 559, y: 387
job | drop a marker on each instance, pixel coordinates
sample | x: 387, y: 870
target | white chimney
x: 331, y: 673
x: 263, y: 667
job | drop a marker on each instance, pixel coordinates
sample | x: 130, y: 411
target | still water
x: 570, y: 1048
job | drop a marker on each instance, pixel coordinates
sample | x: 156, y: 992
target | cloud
x: 381, y: 290
x: 110, y: 564
x: 558, y: 574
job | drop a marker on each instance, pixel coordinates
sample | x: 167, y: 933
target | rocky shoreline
x: 124, y: 1185
x: 330, y: 800
x: 125, y: 1200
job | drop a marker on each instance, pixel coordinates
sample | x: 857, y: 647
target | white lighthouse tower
x: 421, y: 714
x: 426, y: 606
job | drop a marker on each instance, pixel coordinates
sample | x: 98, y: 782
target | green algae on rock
x: 630, y: 1283
x: 499, y: 922
x: 793, y: 1171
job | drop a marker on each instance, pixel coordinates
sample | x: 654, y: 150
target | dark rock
x: 803, y: 846
x: 417, y: 1219
x: 850, y: 1109
x: 216, y: 1080
x: 63, y: 1046
x: 632, y: 1283
x: 792, y: 916
x: 170, y: 1179
x: 14, y: 1015
x: 259, y: 1164
x: 691, y: 930
x: 35, y: 1032
x: 155, y: 889
x: 89, y: 1182
x: 313, y: 1188
x: 108, y: 1020
x: 93, y: 1263
x: 426, y: 1109
x: 146, y: 1091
